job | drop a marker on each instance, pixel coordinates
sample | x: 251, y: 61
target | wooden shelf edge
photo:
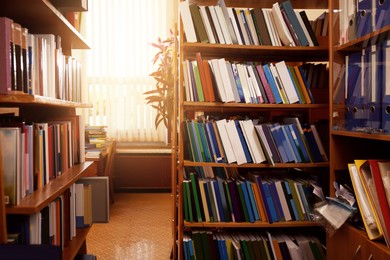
x: 218, y: 105
x: 35, y: 202
x: 381, y: 137
x: 258, y: 165
x: 39, y: 100
x: 251, y: 225
x: 76, y: 243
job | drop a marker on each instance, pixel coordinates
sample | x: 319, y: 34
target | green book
x: 198, y: 82
x: 197, y: 238
x: 296, y: 199
x: 194, y: 183
x: 185, y: 201
x: 186, y: 186
x: 242, y: 200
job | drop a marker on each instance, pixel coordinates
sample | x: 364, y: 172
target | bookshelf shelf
x: 38, y: 200
x: 231, y: 106
x: 257, y: 224
x: 76, y: 244
x: 264, y: 53
x: 20, y: 99
x: 259, y: 165
x: 381, y: 137
x: 40, y: 16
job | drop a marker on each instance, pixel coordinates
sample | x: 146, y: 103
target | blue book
x: 213, y: 135
x: 243, y: 142
x: 247, y: 202
x: 224, y: 202
x: 271, y: 143
x: 271, y: 81
x: 193, y: 141
x: 278, y: 142
x: 252, y: 200
x: 219, y: 200
x: 276, y: 200
x: 210, y: 143
x: 307, y: 86
x: 287, y: 7
x: 238, y: 83
x: 291, y: 141
x: 299, y: 142
x: 273, y: 216
x: 312, y: 144
x: 205, y: 144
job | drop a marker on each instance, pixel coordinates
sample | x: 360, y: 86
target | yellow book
x: 367, y: 211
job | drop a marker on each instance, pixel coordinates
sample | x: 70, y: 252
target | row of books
x: 246, y: 141
x: 250, y: 245
x: 279, y: 25
x: 35, y: 64
x: 255, y: 197
x: 358, y: 18
x: 33, y: 154
x: 273, y: 83
x: 56, y: 223
x: 370, y: 181
x: 361, y: 84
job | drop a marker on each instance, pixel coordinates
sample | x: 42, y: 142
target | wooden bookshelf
x: 188, y: 109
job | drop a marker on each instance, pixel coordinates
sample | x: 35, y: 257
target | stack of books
x: 95, y: 141
x: 279, y: 25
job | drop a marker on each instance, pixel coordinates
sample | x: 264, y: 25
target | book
x: 261, y: 26
x: 186, y: 18
x: 198, y: 23
x: 5, y: 55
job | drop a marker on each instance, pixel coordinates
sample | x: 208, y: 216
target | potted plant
x: 161, y: 98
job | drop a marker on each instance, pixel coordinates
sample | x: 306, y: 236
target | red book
x: 5, y: 55
x: 380, y: 190
x: 205, y: 86
x: 209, y: 81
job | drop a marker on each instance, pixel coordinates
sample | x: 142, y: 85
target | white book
x: 288, y: 84
x: 214, y: 64
x: 229, y: 22
x: 188, y: 24
x: 275, y: 40
x: 307, y: 35
x: 231, y: 158
x: 283, y: 201
x: 232, y: 81
x: 235, y: 25
x: 207, y: 24
x: 217, y: 25
x: 251, y: 26
x: 235, y: 141
x: 263, y: 140
x: 226, y: 81
x: 252, y: 91
x: 256, y: 87
x: 187, y: 86
x: 244, y: 82
x: 224, y: 27
x: 281, y: 27
x: 278, y: 83
x: 253, y: 141
x: 50, y: 90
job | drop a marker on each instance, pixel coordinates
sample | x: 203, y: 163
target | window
x: 119, y: 63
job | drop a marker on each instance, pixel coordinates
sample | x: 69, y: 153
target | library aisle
x: 140, y: 227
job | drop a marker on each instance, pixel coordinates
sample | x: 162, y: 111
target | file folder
x: 382, y: 13
x: 353, y: 89
x: 364, y: 17
x: 385, y: 85
x: 374, y: 87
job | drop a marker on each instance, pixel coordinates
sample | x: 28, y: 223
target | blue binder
x: 353, y: 88
x: 374, y: 87
x: 382, y: 13
x: 364, y: 17
x: 385, y: 69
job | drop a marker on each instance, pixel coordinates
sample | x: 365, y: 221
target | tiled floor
x: 140, y: 227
